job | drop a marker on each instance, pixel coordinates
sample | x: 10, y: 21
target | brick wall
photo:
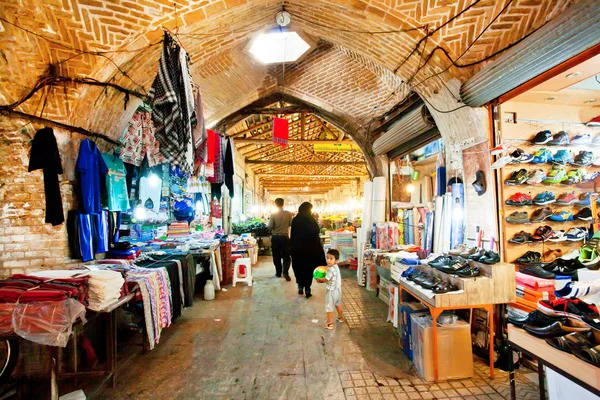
x: 27, y: 243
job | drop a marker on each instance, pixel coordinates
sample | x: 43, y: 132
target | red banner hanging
x: 280, y: 132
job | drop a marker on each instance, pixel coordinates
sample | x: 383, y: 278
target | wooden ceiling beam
x: 291, y: 141
x: 281, y: 162
x: 275, y: 174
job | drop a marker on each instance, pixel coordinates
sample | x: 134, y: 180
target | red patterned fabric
x: 280, y: 132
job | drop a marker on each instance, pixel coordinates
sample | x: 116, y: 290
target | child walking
x: 333, y: 280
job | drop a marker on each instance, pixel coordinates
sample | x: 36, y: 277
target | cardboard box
x: 405, y: 310
x: 455, y: 354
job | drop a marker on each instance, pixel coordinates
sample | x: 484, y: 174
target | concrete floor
x: 267, y: 342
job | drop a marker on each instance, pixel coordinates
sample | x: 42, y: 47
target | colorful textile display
x: 280, y: 132
x: 29, y: 288
x: 45, y: 156
x: 178, y: 229
x: 139, y: 141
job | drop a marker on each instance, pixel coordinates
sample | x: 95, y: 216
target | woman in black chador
x: 307, y: 252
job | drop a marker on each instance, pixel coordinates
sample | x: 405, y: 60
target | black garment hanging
x: 215, y: 190
x: 45, y: 156
x: 228, y: 167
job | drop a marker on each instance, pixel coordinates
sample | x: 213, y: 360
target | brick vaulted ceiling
x: 352, y: 72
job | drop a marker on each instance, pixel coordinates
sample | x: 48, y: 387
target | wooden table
x: 110, y: 370
x: 583, y: 374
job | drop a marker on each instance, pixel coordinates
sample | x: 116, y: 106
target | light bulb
x: 154, y: 180
x: 410, y: 188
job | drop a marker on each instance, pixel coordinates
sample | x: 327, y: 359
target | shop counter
x: 567, y: 365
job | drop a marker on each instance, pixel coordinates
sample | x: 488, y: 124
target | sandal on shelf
x: 590, y: 355
x: 329, y: 326
x: 571, y: 343
x: 341, y: 320
x: 444, y: 287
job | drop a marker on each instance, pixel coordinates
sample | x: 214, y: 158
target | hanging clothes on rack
x: 139, y: 141
x: 199, y: 134
x: 116, y: 184
x: 45, y: 156
x: 229, y: 167
x: 170, y: 106
x: 90, y: 169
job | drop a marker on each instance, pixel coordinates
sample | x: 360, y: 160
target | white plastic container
x: 209, y: 291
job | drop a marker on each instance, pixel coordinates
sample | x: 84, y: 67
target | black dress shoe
x: 550, y: 331
x: 480, y: 253
x: 573, y: 342
x: 430, y: 283
x: 538, y: 272
x: 490, y: 257
x: 468, y: 272
x: 422, y: 278
x: 444, y: 287
x: 287, y: 278
x: 300, y: 291
x: 536, y: 318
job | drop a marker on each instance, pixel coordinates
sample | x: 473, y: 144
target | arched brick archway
x: 214, y: 31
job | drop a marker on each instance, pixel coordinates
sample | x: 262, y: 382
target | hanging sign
x: 280, y: 132
x: 334, y: 147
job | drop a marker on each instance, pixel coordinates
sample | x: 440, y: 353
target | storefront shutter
x: 569, y: 34
x: 415, y: 123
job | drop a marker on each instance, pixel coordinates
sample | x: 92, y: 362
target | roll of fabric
x: 458, y: 215
x: 379, y: 202
x: 437, y: 224
x: 446, y: 222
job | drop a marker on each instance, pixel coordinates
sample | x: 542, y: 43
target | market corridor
x: 263, y: 343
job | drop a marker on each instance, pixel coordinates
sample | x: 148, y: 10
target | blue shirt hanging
x: 90, y: 168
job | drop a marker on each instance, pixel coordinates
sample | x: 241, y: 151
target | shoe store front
x: 547, y: 163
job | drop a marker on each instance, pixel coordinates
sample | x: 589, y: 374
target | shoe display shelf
x: 495, y: 285
x: 513, y: 251
x: 565, y: 364
x: 519, y: 135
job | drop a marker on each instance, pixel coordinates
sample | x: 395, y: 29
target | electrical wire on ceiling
x: 386, y: 32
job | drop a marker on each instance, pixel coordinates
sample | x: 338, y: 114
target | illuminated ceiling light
x: 278, y: 45
x: 550, y: 98
x: 573, y: 74
x: 589, y: 101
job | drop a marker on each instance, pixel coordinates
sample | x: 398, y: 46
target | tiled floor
x: 266, y: 342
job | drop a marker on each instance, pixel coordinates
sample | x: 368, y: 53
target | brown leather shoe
x: 551, y: 255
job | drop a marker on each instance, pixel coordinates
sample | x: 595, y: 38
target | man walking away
x: 279, y: 224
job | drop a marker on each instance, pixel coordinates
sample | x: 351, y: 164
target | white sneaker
x: 596, y: 141
x: 579, y: 289
x: 502, y: 162
x: 586, y: 138
x: 570, y: 255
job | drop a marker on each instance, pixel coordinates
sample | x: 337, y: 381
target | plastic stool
x: 237, y: 274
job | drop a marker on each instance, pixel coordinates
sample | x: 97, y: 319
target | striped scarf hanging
x: 280, y: 132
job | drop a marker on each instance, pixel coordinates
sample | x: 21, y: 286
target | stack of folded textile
x: 530, y: 290
x: 130, y: 254
x: 103, y: 286
x: 178, y: 229
x: 34, y: 288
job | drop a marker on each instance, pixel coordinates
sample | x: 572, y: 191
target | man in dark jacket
x: 279, y: 224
